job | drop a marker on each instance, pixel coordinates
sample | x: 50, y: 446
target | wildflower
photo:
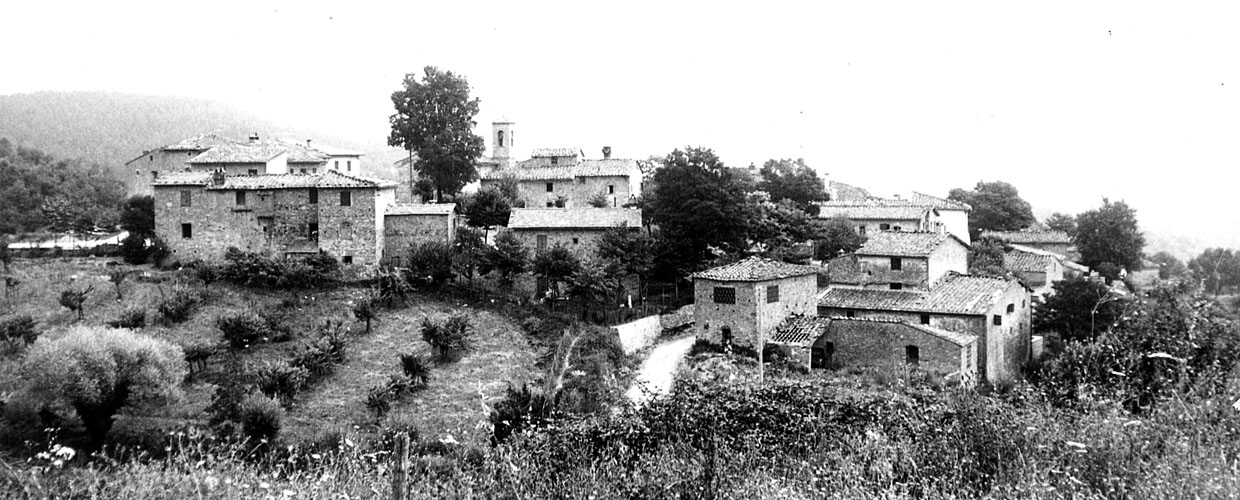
x: 264, y: 485
x: 211, y: 482
x: 288, y: 493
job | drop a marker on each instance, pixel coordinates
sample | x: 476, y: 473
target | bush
x: 226, y: 402
x: 282, y: 380
x: 179, y: 305
x: 75, y: 300
x: 448, y: 337
x: 97, y: 371
x: 261, y: 418
x: 379, y: 401
x: 134, y: 249
x: 414, y: 367
x: 197, y: 355
x: 321, y: 355
x: 18, y: 331
x: 266, y: 271
x: 243, y: 329
x: 132, y: 318
x: 430, y: 264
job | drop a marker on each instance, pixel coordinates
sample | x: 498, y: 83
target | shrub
x: 261, y: 418
x: 132, y: 318
x: 75, y: 300
x: 243, y: 329
x: 430, y: 264
x: 209, y: 273
x: 379, y: 401
x: 452, y: 335
x: 134, y: 249
x: 414, y: 367
x: 321, y: 355
x: 266, y: 271
x: 366, y: 309
x: 97, y: 371
x: 18, y: 331
x: 282, y: 380
x: 179, y: 305
x: 197, y: 356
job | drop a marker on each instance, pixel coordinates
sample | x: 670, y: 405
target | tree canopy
x: 1080, y: 309
x: 39, y: 192
x: 1110, y: 234
x: 697, y: 204
x: 435, y: 119
x: 1217, y: 269
x: 1168, y: 266
x: 1062, y: 222
x: 487, y: 208
x: 838, y: 236
x: 997, y: 206
x: 795, y: 181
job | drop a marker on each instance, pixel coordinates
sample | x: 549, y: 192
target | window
x: 772, y: 294
x: 726, y: 334
x: 1011, y: 308
x: 303, y: 171
x: 154, y: 175
x: 896, y: 286
x: 314, y: 196
x: 925, y: 319
x: 253, y: 171
x: 550, y: 204
x: 912, y: 354
x: 137, y: 173
x: 187, y: 231
x: 555, y: 161
x: 348, y: 165
x: 312, y: 230
x: 500, y: 139
x: 897, y: 264
x: 395, y: 261
x: 895, y: 228
x: 850, y: 314
x: 541, y: 241
x: 997, y: 320
x: 861, y: 230
x: 574, y: 241
x: 611, y: 189
x: 346, y: 199
x: 348, y: 259
x: 241, y: 198
x: 265, y: 223
x: 151, y: 158
x: 550, y: 187
x: 884, y: 227
x: 725, y: 295
x: 336, y: 166
x: 186, y: 200
x: 346, y: 230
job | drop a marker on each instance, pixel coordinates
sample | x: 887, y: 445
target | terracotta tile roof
x: 530, y: 174
x: 301, y: 153
x: 1035, y: 251
x: 939, y: 203
x: 958, y: 338
x: 182, y: 179
x: 237, y: 153
x: 331, y: 179
x: 903, y: 244
x: 422, y: 209
x: 755, y: 269
x: 612, y: 167
x: 200, y: 143
x: 870, y: 210
x: 556, y: 152
x: 1029, y: 236
x: 955, y: 294
x: 335, y: 151
x: 266, y: 181
x: 1027, y: 262
x: 573, y: 218
x: 847, y: 192
x: 800, y: 330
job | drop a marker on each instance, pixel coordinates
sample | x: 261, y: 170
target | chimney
x: 217, y: 178
x: 307, y: 142
x: 254, y: 138
x: 606, y: 152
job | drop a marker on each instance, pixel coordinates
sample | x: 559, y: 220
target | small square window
x: 897, y: 286
x: 550, y: 187
x: 348, y: 259
x: 772, y: 294
x: 861, y: 230
x: 241, y: 198
x: 997, y: 320
x: 186, y: 198
x: 154, y: 175
x: 313, y: 230
x: 187, y: 231
x: 253, y: 171
x: 925, y: 319
x: 303, y: 171
x: 725, y: 295
x: 884, y: 227
x: 611, y: 189
x: 574, y: 241
x: 550, y: 204
x: 850, y: 314
x: 346, y: 199
x: 1011, y: 308
x: 897, y: 264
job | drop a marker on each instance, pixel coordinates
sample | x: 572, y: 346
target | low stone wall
x: 637, y: 334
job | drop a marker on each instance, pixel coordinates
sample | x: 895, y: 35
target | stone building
x: 408, y: 225
x: 577, y: 229
x: 199, y: 215
x: 744, y: 302
x: 996, y: 310
x: 1048, y: 240
x: 903, y: 261
x: 148, y: 166
x: 242, y: 159
x: 820, y: 343
x: 573, y: 182
x: 918, y: 212
x: 1038, y: 269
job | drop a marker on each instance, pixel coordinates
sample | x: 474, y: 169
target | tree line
x: 40, y: 192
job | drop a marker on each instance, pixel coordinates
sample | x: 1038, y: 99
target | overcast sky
x: 1069, y: 101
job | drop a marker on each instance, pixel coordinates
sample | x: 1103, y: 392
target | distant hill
x: 111, y: 128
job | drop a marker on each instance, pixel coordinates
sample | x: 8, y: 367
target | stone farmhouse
x: 577, y: 229
x: 822, y: 343
x: 1038, y: 269
x: 743, y: 303
x: 918, y: 212
x: 1048, y: 240
x: 148, y: 166
x: 900, y: 261
x: 201, y: 214
x: 406, y: 225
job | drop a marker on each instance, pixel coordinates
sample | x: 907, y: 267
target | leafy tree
x: 630, y: 251
x: 1062, y: 222
x: 468, y: 251
x: 1218, y: 270
x: 138, y: 216
x: 598, y: 200
x: 1169, y: 267
x: 435, y: 119
x: 795, y: 181
x: 40, y: 191
x: 487, y: 208
x: 997, y: 206
x: 1079, y: 310
x: 508, y: 258
x: 781, y: 230
x: 367, y: 308
x: 430, y: 263
x: 1108, y: 270
x: 986, y: 257
x: 98, y: 371
x: 593, y: 285
x: 449, y: 336
x: 75, y: 300
x: 697, y: 204
x: 838, y: 236
x: 117, y: 278
x: 1110, y: 234
x: 556, y: 265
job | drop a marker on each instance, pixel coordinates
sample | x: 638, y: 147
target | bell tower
x: 502, y: 141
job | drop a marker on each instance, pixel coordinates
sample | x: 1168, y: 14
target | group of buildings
x: 903, y: 297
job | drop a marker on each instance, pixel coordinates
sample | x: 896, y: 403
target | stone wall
x: 402, y: 231
x: 751, y: 317
x: 880, y: 343
x: 581, y: 242
x: 577, y: 192
x: 950, y: 256
x: 637, y: 334
x: 137, y: 173
x: 1008, y: 346
x: 913, y: 274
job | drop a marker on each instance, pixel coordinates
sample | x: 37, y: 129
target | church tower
x: 502, y: 140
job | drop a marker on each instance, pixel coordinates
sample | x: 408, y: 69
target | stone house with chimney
x: 199, y: 215
x: 744, y: 302
x: 577, y: 229
x: 408, y: 225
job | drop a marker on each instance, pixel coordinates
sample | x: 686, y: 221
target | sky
x: 1070, y: 102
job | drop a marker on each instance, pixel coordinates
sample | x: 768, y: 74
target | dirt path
x: 658, y: 369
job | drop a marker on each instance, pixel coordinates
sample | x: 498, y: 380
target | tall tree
x: 487, y: 208
x: 1080, y: 309
x: 1168, y: 266
x: 1217, y: 269
x: 1110, y: 234
x: 631, y: 252
x: 1062, y: 222
x: 435, y: 119
x: 997, y: 206
x: 697, y: 204
x: 556, y: 265
x: 986, y: 257
x: 793, y: 180
x: 838, y: 236
x: 138, y: 216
